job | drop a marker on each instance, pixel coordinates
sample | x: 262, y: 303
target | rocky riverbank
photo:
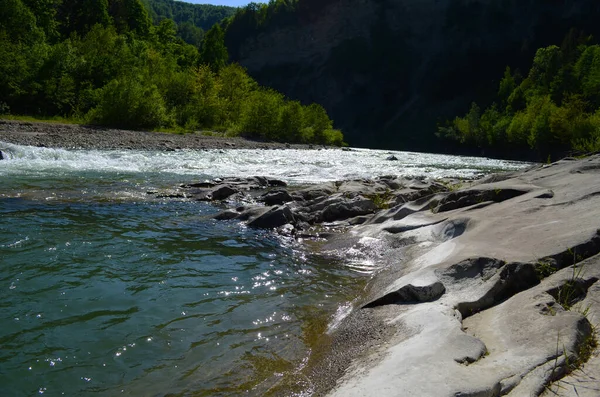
x: 488, y: 290
x: 485, y: 288
x: 73, y: 136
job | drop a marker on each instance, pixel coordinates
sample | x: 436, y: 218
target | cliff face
x: 389, y: 70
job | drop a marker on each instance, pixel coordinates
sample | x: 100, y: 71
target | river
x: 106, y: 290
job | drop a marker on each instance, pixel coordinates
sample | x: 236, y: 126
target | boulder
x: 392, y: 158
x: 223, y: 192
x: 273, y: 218
x: 226, y: 215
x: 348, y: 209
x: 315, y: 192
x: 411, y: 293
x: 1, y: 155
x: 276, y: 197
x: 276, y: 182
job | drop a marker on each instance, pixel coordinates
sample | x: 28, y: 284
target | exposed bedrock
x: 497, y: 295
x: 491, y: 290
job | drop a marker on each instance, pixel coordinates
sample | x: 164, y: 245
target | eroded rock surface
x: 269, y: 203
x: 498, y: 292
x: 488, y: 290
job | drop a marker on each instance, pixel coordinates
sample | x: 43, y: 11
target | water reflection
x: 152, y: 298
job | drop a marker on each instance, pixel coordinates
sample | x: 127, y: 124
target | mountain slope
x: 389, y: 70
x: 203, y: 16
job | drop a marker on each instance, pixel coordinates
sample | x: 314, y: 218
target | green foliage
x: 201, y: 16
x: 381, y: 200
x: 544, y: 268
x: 507, y: 85
x: 556, y: 109
x: 112, y: 67
x: 130, y: 103
x: 261, y: 114
x: 80, y: 16
x: 214, y: 52
x: 130, y: 16
x: 19, y: 23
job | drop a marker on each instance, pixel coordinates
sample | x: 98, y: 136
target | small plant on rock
x: 544, y: 268
x: 381, y: 200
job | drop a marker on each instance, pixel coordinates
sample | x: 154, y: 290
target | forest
x: 391, y: 72
x: 105, y: 62
x: 552, y: 111
x: 192, y: 20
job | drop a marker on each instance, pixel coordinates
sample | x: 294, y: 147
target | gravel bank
x: 72, y: 136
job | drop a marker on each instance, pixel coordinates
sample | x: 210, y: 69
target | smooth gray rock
x: 348, y: 209
x: 584, y: 382
x: 502, y: 326
x: 315, y: 192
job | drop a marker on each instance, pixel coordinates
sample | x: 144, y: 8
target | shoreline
x: 76, y: 136
x: 471, y: 295
x: 477, y: 284
x: 486, y: 280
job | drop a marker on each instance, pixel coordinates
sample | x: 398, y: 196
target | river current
x: 106, y: 290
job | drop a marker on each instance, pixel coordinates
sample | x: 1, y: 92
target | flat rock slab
x: 480, y: 304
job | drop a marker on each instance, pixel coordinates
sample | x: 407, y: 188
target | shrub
x: 128, y: 103
x: 333, y: 137
x: 261, y: 114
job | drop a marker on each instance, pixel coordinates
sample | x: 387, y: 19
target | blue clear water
x: 105, y: 290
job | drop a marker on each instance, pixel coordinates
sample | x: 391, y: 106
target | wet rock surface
x: 489, y: 289
x: 269, y: 203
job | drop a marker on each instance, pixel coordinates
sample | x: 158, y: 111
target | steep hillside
x: 191, y: 19
x: 200, y: 15
x: 389, y: 70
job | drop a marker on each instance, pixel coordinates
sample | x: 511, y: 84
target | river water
x: 105, y: 290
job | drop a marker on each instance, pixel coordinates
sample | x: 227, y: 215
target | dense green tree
x: 130, y: 16
x: 45, y: 13
x: 81, y: 15
x: 190, y: 34
x: 106, y: 64
x: 554, y: 110
x: 507, y: 85
x: 129, y: 103
x: 19, y: 23
x: 202, y: 16
x: 214, y: 52
x: 587, y: 72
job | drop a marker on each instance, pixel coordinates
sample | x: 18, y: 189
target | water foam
x: 294, y: 166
